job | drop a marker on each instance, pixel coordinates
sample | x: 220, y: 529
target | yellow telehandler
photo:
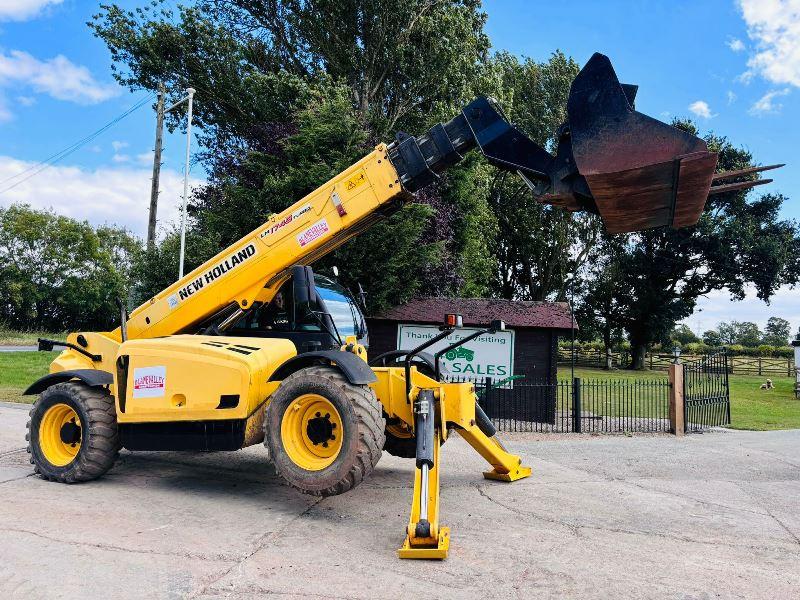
x: 253, y: 347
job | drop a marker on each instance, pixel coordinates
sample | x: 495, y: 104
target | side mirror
x: 303, y: 285
x: 497, y: 325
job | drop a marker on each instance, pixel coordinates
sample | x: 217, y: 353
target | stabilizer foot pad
x: 518, y: 473
x: 432, y: 553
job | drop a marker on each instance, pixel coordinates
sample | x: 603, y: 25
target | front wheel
x: 324, y: 434
x: 72, y: 433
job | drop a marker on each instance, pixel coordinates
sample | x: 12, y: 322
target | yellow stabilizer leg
x: 436, y: 543
x: 507, y: 467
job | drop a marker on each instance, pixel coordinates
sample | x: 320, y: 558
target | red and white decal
x: 316, y: 231
x: 149, y: 382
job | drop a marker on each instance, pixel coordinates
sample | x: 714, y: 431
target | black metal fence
x: 580, y: 405
x: 706, y: 392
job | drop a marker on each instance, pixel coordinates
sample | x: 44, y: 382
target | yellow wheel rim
x: 398, y: 430
x: 60, y: 435
x: 311, y: 430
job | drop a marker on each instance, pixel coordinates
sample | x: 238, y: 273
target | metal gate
x: 706, y: 393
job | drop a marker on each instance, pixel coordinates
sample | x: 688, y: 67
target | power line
x: 53, y: 159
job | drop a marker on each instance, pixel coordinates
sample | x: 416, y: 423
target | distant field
x: 751, y: 407
x: 10, y: 337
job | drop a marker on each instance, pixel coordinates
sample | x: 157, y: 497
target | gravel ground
x: 645, y: 516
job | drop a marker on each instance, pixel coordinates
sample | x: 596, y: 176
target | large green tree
x: 537, y: 245
x: 740, y: 239
x: 777, y: 332
x: 57, y: 273
x: 291, y: 92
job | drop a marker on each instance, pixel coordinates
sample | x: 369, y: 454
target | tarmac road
x: 706, y: 516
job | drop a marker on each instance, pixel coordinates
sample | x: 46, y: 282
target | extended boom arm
x: 635, y: 171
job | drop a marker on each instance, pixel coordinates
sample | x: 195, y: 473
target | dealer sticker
x: 316, y: 231
x: 173, y: 301
x: 149, y: 382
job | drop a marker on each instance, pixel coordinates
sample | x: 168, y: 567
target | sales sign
x: 488, y: 355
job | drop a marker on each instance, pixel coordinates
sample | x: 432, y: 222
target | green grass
x: 12, y: 337
x: 754, y: 408
x: 751, y: 407
x: 18, y: 370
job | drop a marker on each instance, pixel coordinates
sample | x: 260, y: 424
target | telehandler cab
x: 252, y: 346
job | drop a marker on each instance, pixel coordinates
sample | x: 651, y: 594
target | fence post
x: 759, y: 366
x: 576, y: 405
x: 677, y: 423
x: 651, y: 361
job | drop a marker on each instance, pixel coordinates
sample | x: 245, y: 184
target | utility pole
x: 151, y: 225
x: 190, y: 98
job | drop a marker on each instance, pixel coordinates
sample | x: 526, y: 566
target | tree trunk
x: 607, y: 344
x: 638, y: 353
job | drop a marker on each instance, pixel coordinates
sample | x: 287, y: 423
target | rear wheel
x: 400, y: 440
x: 324, y: 434
x: 72, y: 433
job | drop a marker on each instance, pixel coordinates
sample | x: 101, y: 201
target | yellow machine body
x: 163, y: 378
x: 196, y: 377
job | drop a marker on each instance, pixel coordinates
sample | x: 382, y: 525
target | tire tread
x: 101, y: 447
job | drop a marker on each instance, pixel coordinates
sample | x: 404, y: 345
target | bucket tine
x: 741, y: 185
x: 747, y: 171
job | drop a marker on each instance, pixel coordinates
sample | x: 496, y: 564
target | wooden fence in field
x: 737, y: 365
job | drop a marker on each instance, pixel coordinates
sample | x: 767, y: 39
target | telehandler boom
x: 252, y: 346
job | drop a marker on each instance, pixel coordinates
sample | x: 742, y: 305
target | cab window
x: 340, y: 306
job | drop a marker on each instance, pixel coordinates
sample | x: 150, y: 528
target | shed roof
x: 482, y: 311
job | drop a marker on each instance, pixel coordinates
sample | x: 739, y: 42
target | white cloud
x: 121, y: 158
x: 718, y: 307
x: 735, y: 44
x: 145, y: 158
x: 119, y: 195
x: 766, y: 104
x: 58, y: 77
x: 774, y: 26
x: 731, y: 97
x: 117, y: 145
x: 701, y: 109
x: 20, y: 10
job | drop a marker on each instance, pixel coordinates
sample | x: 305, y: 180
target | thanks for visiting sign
x: 488, y: 355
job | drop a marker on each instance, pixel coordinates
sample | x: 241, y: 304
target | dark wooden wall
x: 535, y: 350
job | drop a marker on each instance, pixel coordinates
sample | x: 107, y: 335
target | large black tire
x: 99, y: 438
x: 362, y: 436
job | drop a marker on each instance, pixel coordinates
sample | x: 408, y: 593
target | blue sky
x: 732, y: 65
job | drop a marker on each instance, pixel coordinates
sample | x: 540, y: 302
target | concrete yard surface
x: 705, y: 516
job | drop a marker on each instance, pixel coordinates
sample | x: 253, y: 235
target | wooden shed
x: 529, y: 348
